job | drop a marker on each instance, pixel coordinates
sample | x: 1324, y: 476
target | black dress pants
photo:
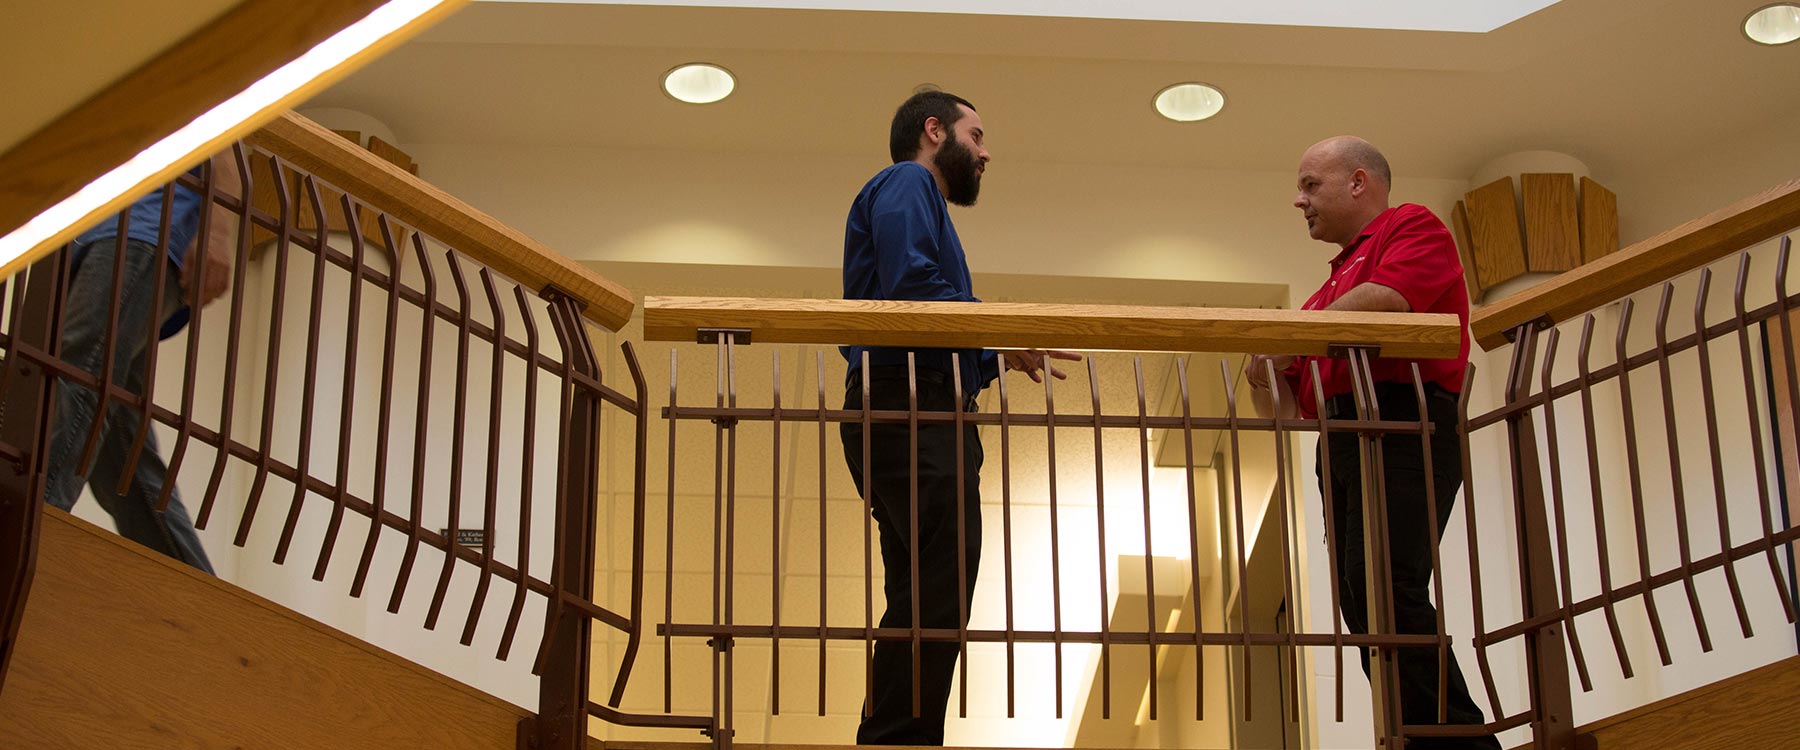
x: 889, y: 715
x: 1409, y: 535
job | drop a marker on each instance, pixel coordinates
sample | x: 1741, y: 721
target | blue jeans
x: 88, y: 312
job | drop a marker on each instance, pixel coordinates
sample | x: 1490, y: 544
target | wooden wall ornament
x: 1599, y: 209
x: 1560, y: 224
x: 1498, y: 248
x: 1552, y: 229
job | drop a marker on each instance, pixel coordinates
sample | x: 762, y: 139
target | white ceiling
x: 1418, y: 15
x: 1609, y: 81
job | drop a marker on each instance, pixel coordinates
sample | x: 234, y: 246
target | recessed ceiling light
x: 1775, y: 24
x: 1189, y: 102
x: 699, y: 83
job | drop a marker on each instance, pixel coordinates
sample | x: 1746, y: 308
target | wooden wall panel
x: 1599, y: 210
x: 1652, y: 261
x: 1459, y: 223
x: 1552, y: 228
x: 124, y: 648
x: 1494, y: 228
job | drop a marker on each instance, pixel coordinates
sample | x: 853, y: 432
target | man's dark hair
x: 909, y: 120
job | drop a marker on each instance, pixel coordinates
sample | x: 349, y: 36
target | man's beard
x: 961, y: 171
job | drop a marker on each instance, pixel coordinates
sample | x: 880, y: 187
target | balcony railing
x: 366, y: 394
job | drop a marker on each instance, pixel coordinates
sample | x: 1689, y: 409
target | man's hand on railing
x: 1256, y: 368
x: 1034, y: 361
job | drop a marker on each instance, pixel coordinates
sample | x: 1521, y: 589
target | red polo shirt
x: 1407, y: 249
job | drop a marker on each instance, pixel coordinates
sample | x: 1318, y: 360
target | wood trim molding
x: 1654, y: 260
x: 205, y: 69
x: 1008, y: 325
x: 392, y: 189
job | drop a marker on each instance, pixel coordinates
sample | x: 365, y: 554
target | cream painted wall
x: 1071, y: 219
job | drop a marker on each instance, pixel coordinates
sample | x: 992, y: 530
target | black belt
x: 924, y: 376
x: 1343, y: 406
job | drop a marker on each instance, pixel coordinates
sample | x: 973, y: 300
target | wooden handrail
x: 1008, y: 324
x: 1657, y: 259
x: 413, y: 201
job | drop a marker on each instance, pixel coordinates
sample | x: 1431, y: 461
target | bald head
x: 1350, y: 153
x: 1344, y: 183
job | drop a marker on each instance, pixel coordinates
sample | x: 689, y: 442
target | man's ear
x: 1359, y: 182
x: 934, y: 131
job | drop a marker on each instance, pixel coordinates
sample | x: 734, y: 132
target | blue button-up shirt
x: 144, y: 224
x: 899, y: 244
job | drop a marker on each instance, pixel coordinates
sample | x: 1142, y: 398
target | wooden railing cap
x: 1024, y: 325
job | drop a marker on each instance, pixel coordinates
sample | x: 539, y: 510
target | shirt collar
x: 1368, y: 231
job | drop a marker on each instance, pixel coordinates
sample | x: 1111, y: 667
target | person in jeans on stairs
x: 899, y: 244
x: 144, y: 242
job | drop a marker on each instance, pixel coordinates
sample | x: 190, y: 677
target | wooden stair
x: 124, y: 648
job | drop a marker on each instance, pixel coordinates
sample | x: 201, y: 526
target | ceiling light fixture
x: 1189, y: 102
x: 698, y: 83
x: 1774, y: 24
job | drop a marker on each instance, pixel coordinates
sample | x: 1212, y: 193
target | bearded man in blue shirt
x: 899, y: 244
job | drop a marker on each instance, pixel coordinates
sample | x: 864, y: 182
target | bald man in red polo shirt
x: 1393, y: 259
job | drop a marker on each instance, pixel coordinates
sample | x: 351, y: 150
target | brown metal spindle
x: 109, y: 343
x: 153, y: 329
x: 310, y: 377
x: 730, y: 345
x: 1756, y: 445
x: 1593, y: 454
x: 458, y: 433
x: 912, y: 514
x: 775, y: 545
x: 1055, y: 546
x: 566, y: 426
x: 1426, y: 425
x: 271, y: 368
x: 348, y: 405
x: 868, y: 542
x: 640, y: 478
x: 1237, y: 504
x: 1100, y: 520
x: 1785, y: 305
x: 421, y: 432
x: 1554, y: 454
x: 1284, y: 504
x: 824, y: 561
x: 384, y: 417
x: 1637, y: 491
x: 669, y: 546
x: 1143, y: 435
x: 1187, y: 444
x: 1676, y: 487
x: 496, y: 390
x: 1378, y: 546
x: 1006, y: 540
x: 962, y: 561
x: 718, y: 526
x: 527, y: 459
x: 1332, y: 542
x: 185, y: 429
x: 1712, y: 442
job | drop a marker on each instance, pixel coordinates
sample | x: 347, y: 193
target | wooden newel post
x: 1546, y: 660
x: 563, y: 682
